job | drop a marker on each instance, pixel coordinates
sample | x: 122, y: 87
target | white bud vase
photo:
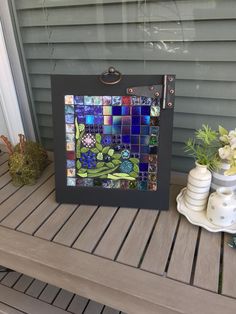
x: 199, y: 181
x: 221, y: 208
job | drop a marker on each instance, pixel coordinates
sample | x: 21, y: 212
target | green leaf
x: 78, y: 164
x: 111, y: 152
x: 98, y: 138
x: 134, y: 160
x: 110, y: 165
x: 116, y: 162
x: 84, y: 150
x: 99, y: 146
x: 82, y: 170
x: 136, y: 168
x: 133, y: 174
x: 82, y: 175
x: 100, y: 164
x: 116, y: 156
x: 95, y: 150
x: 99, y: 156
x: 222, y: 131
x: 105, y: 149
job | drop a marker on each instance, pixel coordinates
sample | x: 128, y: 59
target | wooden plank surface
x: 7, y: 191
x: 10, y: 279
x: 120, y: 286
x: 157, y: 253
x: 53, y: 224
x: 3, y: 168
x: 63, y: 299
x: 3, y: 158
x: 116, y: 232
x: 208, y: 261
x: 23, y: 283
x: 6, y: 309
x: 36, y: 288
x: 49, y: 293
x: 109, y: 310
x: 39, y: 215
x: 180, y: 267
x: 26, y: 207
x: 19, y: 196
x: 229, y: 269
x: 78, y: 304
x: 93, y: 308
x: 95, y: 228
x: 4, y: 179
x: 75, y: 224
x: 137, y: 238
x: 26, y: 303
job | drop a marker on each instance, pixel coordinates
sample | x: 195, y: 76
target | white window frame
x: 13, y: 90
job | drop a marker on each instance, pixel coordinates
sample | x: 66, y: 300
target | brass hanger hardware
x: 111, y: 73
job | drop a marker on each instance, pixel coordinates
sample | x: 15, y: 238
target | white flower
x: 226, y: 152
x: 233, y: 143
x: 224, y: 138
x: 232, y: 134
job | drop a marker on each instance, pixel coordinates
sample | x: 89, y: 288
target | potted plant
x: 225, y: 175
x: 204, y: 149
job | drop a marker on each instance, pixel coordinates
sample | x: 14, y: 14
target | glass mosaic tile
x: 112, y: 142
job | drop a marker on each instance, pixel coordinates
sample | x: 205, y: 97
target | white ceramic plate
x: 199, y: 218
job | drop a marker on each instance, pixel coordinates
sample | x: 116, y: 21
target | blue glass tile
x: 70, y: 163
x: 144, y: 140
x: 79, y: 100
x: 146, y: 101
x: 116, y: 120
x: 135, y: 120
x: 107, y: 129
x: 145, y: 130
x: 98, y: 119
x: 135, y: 100
x: 89, y: 110
x: 145, y: 120
x: 126, y: 139
x: 152, y: 149
x: 135, y: 129
x: 81, y: 119
x: 88, y: 100
x: 143, y: 166
x: 116, y: 100
x: 79, y: 110
x: 126, y: 129
x: 142, y: 185
x: 116, y: 110
x: 145, y: 110
x: 135, y: 148
x: 135, y: 139
x: 154, y: 130
x: 126, y: 120
x: 69, y: 118
x: 89, y: 119
x: 136, y: 111
x: 144, y: 149
x: 116, y: 129
x: 144, y: 158
x: 98, y: 110
x: 69, y: 109
x: 125, y: 110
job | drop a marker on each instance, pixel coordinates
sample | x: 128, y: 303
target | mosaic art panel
x: 112, y: 141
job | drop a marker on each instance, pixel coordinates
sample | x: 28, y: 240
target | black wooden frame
x: 90, y: 85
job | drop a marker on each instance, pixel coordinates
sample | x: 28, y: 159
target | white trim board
x: 8, y: 97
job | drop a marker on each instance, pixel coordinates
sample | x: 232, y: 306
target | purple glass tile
x: 135, y: 120
x: 144, y: 149
x: 98, y: 110
x: 79, y: 100
x: 126, y: 139
x: 145, y: 110
x: 116, y: 110
x: 134, y: 148
x: 126, y: 120
x: 136, y: 110
x: 135, y: 139
x: 125, y: 110
x: 125, y: 129
x: 143, y: 166
x: 135, y: 129
x: 98, y: 120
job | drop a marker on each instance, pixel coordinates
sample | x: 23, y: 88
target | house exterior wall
x: 196, y: 40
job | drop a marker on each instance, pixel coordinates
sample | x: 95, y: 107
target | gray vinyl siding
x: 194, y: 39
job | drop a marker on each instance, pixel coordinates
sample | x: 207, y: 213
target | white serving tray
x: 199, y: 218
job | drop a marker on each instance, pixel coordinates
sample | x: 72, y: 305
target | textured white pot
x: 198, y: 186
x: 221, y: 180
x: 221, y: 208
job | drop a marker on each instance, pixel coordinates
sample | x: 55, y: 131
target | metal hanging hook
x: 110, y: 73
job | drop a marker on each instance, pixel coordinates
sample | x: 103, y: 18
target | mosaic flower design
x: 88, y: 140
x: 125, y: 154
x: 126, y: 166
x: 88, y: 160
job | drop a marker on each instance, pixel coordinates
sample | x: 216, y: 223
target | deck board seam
x: 194, y: 262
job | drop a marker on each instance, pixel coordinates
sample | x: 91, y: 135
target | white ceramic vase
x: 221, y: 208
x: 221, y: 180
x: 198, y: 186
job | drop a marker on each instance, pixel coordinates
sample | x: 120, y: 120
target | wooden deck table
x: 135, y: 260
